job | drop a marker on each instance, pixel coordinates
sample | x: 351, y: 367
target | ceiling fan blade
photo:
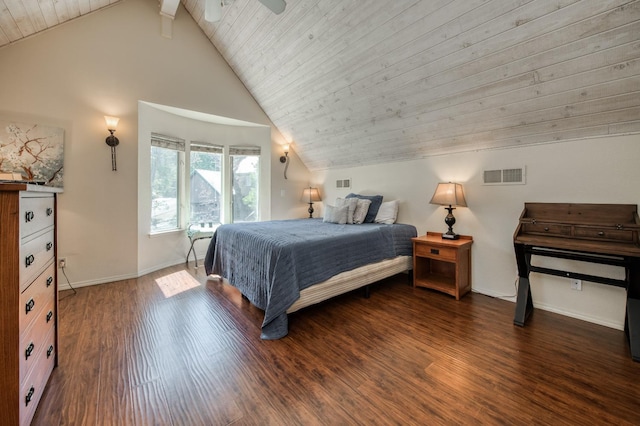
x: 276, y: 6
x: 212, y: 10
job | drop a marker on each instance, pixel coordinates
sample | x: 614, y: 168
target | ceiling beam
x: 168, y: 9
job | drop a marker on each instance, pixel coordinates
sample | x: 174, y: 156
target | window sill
x: 165, y: 233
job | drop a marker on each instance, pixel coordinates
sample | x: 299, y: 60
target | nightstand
x: 443, y: 265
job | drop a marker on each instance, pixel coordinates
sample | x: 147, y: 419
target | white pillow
x: 362, y: 208
x: 351, y: 203
x: 388, y: 212
x: 334, y: 214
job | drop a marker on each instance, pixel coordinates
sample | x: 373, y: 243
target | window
x: 223, y: 183
x: 245, y: 162
x: 206, y: 184
x: 167, y: 157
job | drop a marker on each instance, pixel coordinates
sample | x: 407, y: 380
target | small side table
x: 194, y: 234
x: 441, y: 264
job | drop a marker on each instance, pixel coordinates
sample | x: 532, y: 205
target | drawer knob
x: 27, y: 399
x: 29, y: 306
x: 49, y: 351
x: 28, y: 216
x: 49, y: 211
x: 29, y: 260
x: 29, y: 350
x: 435, y: 251
x: 546, y: 228
x: 601, y: 234
x: 49, y: 316
x: 49, y: 281
x: 49, y: 245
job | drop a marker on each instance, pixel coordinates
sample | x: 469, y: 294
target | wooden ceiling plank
x: 441, y: 58
x: 546, y: 58
x: 383, y: 57
x: 293, y: 40
x: 21, y: 16
x: 355, y: 33
x: 8, y: 23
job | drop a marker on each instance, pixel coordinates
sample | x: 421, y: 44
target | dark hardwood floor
x: 172, y: 348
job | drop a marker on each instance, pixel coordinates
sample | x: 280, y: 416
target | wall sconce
x: 450, y: 194
x: 311, y: 195
x: 285, y: 159
x: 112, y: 141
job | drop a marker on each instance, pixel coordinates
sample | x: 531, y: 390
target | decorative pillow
x: 376, y: 200
x: 334, y: 214
x: 351, y: 203
x: 361, y: 210
x: 388, y: 212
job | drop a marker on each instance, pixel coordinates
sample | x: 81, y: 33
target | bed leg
x: 367, y: 291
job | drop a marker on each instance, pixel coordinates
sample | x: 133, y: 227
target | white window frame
x: 178, y: 145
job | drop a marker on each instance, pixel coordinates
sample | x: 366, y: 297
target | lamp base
x: 452, y: 236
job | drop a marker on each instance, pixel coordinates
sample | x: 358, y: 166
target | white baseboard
x: 555, y: 310
x: 64, y: 285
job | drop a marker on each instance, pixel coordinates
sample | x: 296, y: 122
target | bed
x: 282, y: 266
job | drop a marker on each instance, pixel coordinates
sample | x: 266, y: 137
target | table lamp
x: 311, y: 195
x: 449, y: 194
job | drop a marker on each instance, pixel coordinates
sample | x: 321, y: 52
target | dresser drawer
x: 33, y: 340
x: 547, y: 229
x: 34, y: 256
x: 36, y: 213
x: 32, y: 387
x: 604, y: 234
x: 36, y: 296
x: 434, y: 252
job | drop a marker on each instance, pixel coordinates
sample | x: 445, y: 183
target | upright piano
x: 599, y: 233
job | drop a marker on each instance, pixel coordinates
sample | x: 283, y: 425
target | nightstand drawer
x: 444, y: 253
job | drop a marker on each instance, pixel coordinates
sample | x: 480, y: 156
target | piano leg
x: 632, y: 327
x: 632, y: 315
x: 524, y: 303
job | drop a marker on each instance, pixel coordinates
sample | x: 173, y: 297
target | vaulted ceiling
x: 355, y: 82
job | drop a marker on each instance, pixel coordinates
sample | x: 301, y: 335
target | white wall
x: 603, y: 170
x: 103, y: 64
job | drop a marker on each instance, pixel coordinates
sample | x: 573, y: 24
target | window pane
x: 206, y: 188
x: 244, y: 178
x: 164, y: 189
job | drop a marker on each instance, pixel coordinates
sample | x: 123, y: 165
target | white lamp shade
x: 449, y: 194
x: 311, y: 195
x: 112, y: 122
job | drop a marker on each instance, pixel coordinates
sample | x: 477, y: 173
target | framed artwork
x: 35, y: 152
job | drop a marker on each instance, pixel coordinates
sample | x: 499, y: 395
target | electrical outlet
x: 576, y: 284
x: 62, y: 262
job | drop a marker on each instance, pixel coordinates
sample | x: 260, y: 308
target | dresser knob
x: 601, y: 234
x: 29, y: 306
x: 49, y: 281
x: 49, y: 211
x: 49, y: 351
x: 49, y: 316
x: 29, y: 350
x: 27, y: 399
x: 49, y: 245
x: 28, y: 216
x: 546, y: 229
x: 29, y: 260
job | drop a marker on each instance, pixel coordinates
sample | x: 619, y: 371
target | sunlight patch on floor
x: 176, y: 283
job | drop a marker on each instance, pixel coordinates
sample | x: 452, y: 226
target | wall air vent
x: 505, y: 176
x: 343, y: 183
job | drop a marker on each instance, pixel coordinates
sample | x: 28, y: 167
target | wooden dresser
x: 28, y: 298
x: 597, y: 233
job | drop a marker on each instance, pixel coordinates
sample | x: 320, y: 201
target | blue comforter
x: 270, y: 262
